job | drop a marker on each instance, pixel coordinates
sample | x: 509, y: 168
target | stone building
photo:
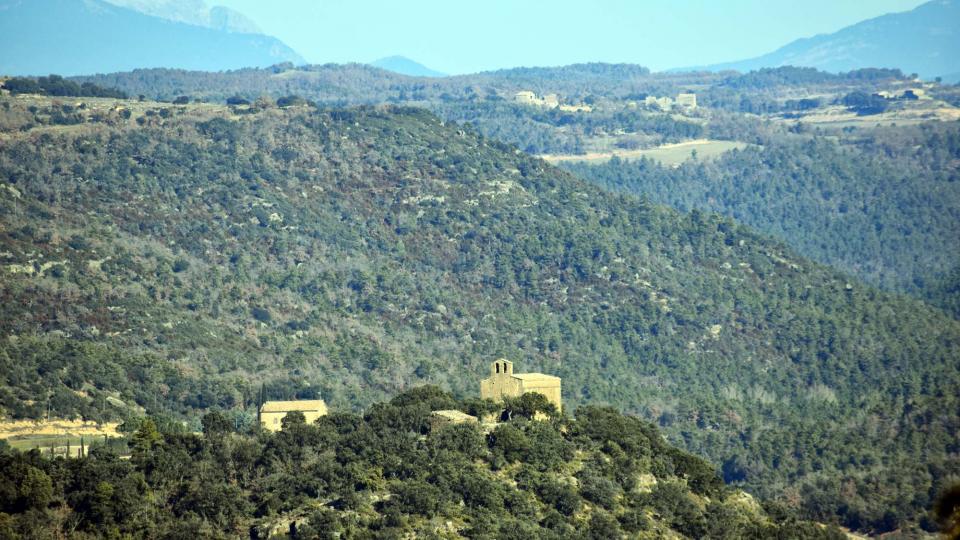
x: 688, y: 100
x: 526, y: 97
x: 551, y: 101
x: 663, y: 103
x: 503, y: 382
x: 272, y: 412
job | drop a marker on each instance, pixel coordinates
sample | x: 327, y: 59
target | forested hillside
x: 385, y: 474
x: 882, y: 204
x: 171, y: 259
x: 875, y: 198
x: 486, y: 100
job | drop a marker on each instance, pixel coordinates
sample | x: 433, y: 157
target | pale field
x: 19, y: 430
x: 106, y: 110
x: 667, y: 154
x: 917, y: 113
x: 60, y: 434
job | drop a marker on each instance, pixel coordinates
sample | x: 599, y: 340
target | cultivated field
x: 905, y: 114
x: 668, y: 154
x: 58, y: 434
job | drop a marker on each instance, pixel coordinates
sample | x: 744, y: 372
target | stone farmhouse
x: 526, y: 97
x: 685, y: 100
x: 272, y: 412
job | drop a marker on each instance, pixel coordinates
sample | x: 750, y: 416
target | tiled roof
x: 535, y: 377
x: 299, y: 405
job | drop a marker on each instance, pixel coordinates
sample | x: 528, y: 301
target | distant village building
x: 272, y: 412
x: 503, y: 382
x: 663, y: 103
x: 527, y: 97
x: 688, y: 100
x: 441, y: 419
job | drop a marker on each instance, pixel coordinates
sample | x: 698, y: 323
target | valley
x: 350, y: 253
x: 248, y: 291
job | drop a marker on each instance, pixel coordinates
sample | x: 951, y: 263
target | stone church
x: 503, y: 382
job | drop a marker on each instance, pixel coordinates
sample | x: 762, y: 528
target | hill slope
x: 385, y: 474
x: 71, y: 37
x: 925, y: 40
x: 175, y: 258
x: 884, y: 206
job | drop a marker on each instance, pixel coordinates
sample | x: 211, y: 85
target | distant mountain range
x: 71, y: 37
x: 925, y: 40
x: 406, y: 66
x: 195, y: 12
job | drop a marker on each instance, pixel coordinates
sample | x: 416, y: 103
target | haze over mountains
x: 74, y: 37
x: 71, y: 37
x: 195, y: 12
x: 406, y: 66
x: 925, y: 40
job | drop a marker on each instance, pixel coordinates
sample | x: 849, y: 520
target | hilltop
x: 71, y: 37
x: 387, y: 474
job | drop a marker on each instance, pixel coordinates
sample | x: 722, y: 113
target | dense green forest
x: 775, y: 90
x: 363, y: 84
x: 874, y: 201
x: 878, y: 202
x: 386, y: 474
x: 171, y: 259
x: 54, y: 85
x: 485, y: 100
x: 552, y: 131
x: 882, y: 204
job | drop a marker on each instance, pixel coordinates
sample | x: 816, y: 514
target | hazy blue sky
x: 456, y: 36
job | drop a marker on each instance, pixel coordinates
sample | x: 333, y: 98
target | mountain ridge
x: 195, y: 12
x: 405, y: 66
x: 92, y: 36
x: 924, y: 40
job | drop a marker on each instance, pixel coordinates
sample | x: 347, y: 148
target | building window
x: 498, y: 367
